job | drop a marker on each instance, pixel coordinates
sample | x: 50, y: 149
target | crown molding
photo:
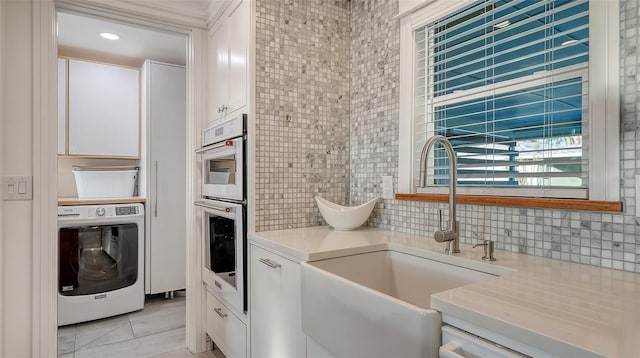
x: 215, y: 8
x: 184, y: 13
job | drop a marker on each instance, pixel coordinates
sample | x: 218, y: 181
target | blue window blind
x: 507, y: 83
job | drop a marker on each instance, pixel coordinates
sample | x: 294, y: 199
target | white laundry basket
x: 105, y: 183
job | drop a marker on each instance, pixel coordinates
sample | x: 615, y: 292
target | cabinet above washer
x: 102, y: 110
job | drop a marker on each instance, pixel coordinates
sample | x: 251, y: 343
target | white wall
x: 17, y: 157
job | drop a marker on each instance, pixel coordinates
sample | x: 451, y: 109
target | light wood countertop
x: 562, y: 308
x: 100, y: 201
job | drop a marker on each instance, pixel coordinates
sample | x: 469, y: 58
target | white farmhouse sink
x: 377, y: 304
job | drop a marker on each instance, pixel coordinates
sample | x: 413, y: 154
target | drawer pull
x: 270, y: 263
x: 219, y: 312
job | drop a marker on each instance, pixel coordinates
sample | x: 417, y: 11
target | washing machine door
x: 96, y: 259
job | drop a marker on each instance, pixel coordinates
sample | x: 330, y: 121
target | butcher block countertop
x: 100, y: 201
x: 552, y: 307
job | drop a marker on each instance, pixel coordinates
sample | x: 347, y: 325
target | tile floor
x: 156, y: 331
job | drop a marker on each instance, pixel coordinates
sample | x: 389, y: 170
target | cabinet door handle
x: 219, y: 312
x: 270, y: 263
x: 155, y: 199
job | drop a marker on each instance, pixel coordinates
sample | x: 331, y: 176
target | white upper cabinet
x: 228, y: 71
x: 238, y: 45
x: 104, y: 116
x: 218, y: 69
x: 62, y: 106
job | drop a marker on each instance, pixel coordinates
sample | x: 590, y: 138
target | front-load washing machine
x: 100, y: 261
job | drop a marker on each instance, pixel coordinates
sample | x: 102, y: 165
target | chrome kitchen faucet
x: 450, y: 234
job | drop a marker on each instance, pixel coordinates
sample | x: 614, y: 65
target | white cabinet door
x: 228, y: 71
x: 166, y: 112
x: 238, y: 47
x: 275, y: 306
x: 218, y: 69
x: 62, y: 106
x: 104, y: 117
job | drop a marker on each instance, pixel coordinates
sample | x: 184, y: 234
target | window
x: 525, y: 91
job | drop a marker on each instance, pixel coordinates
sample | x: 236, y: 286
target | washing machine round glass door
x: 96, y: 259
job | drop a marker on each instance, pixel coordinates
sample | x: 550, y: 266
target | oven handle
x: 212, y: 146
x: 208, y: 205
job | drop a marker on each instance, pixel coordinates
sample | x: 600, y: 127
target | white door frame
x: 154, y: 14
x: 2, y: 46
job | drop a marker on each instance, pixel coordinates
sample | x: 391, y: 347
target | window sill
x: 545, y: 203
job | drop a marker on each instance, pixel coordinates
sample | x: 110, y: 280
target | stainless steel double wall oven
x: 224, y: 209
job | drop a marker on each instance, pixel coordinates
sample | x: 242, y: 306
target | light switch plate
x: 17, y: 188
x: 387, y: 187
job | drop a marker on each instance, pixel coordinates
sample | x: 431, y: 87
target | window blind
x: 507, y: 83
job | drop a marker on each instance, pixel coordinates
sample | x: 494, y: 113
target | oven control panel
x: 225, y: 129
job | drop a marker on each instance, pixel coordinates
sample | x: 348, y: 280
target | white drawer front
x: 459, y: 344
x: 225, y: 329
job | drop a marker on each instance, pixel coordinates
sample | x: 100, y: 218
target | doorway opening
x: 96, y: 135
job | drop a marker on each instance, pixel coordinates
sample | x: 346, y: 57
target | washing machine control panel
x: 126, y: 210
x: 97, y: 211
x: 68, y: 211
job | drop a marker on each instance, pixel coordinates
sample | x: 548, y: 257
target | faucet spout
x: 451, y: 233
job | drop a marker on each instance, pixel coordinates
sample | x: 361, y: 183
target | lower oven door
x: 224, y: 250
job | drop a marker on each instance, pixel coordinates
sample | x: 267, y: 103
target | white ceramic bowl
x: 344, y: 217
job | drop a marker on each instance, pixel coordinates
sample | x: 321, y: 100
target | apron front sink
x: 377, y: 304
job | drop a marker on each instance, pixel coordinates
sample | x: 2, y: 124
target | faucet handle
x: 447, y: 228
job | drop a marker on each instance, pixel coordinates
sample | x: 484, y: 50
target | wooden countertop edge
x: 545, y: 203
x: 76, y: 201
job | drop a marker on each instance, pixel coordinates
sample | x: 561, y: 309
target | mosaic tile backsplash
x: 302, y: 109
x: 342, y: 135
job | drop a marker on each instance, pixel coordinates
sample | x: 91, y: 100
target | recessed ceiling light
x: 502, y: 25
x: 569, y: 42
x: 109, y: 36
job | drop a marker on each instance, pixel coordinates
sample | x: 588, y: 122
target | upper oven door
x: 223, y: 170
